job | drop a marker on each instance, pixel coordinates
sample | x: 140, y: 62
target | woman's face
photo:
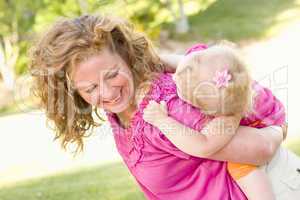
x: 105, y: 81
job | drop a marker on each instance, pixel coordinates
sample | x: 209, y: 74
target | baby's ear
x: 197, y: 58
x: 184, y: 69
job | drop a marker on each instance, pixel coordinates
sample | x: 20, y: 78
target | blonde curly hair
x: 69, y: 42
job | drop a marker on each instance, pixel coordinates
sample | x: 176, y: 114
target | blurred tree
x: 20, y: 20
x: 181, y: 21
x: 16, y: 19
x: 182, y: 25
x: 150, y: 16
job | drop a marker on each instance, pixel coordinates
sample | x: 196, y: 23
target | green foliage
x: 209, y: 19
x: 16, y: 20
x: 147, y: 14
x: 152, y: 16
x: 26, y: 18
x: 294, y: 145
x: 22, y: 61
x: 237, y: 20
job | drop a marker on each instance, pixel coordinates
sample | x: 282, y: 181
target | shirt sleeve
x: 267, y: 110
x: 178, y: 109
x: 186, y: 114
x: 183, y: 113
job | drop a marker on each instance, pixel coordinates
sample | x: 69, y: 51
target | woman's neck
x: 126, y: 115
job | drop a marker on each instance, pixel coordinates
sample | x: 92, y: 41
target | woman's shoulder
x: 162, y: 87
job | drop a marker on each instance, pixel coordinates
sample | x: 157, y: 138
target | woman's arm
x: 171, y: 61
x: 251, y: 146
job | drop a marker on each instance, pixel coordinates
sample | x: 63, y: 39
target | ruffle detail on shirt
x: 162, y: 89
x: 137, y: 141
x: 129, y: 147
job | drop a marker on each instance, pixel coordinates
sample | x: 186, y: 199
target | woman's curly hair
x: 69, y: 42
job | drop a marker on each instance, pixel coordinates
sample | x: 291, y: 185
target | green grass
x: 107, y: 182
x: 244, y: 20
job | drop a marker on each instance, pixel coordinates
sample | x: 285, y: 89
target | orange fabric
x: 238, y: 170
x: 255, y: 123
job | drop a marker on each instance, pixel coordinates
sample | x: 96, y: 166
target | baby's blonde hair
x: 235, y: 98
x: 69, y: 42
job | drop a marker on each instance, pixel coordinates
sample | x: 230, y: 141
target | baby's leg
x: 256, y: 186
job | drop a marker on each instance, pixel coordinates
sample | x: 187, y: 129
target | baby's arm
x: 171, y: 60
x: 214, y: 136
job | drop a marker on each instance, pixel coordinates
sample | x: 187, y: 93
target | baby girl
x: 216, y: 81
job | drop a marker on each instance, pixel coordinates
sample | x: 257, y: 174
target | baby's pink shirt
x: 267, y: 110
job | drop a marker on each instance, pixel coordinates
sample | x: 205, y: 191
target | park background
x: 33, y: 166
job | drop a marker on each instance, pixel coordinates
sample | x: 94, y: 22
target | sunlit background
x: 33, y: 166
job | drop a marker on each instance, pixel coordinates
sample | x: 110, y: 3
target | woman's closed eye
x: 112, y: 75
x: 108, y: 76
x: 91, y: 89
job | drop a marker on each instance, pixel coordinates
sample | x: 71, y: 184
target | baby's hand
x: 154, y: 112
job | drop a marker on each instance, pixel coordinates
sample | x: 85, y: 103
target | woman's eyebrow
x: 113, y: 69
x: 84, y: 87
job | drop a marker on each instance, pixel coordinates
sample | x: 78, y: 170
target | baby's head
x: 215, y: 80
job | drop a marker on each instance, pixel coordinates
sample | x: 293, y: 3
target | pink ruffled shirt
x: 162, y: 170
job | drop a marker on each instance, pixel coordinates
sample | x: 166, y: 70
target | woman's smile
x: 116, y: 100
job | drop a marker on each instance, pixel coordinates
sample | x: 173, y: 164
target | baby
x: 216, y: 81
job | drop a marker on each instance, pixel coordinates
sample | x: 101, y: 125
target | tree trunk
x: 182, y: 24
x: 83, y: 4
x: 8, y: 58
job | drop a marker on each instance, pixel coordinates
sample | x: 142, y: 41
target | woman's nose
x: 107, y: 93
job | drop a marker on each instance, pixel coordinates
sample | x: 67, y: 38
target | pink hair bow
x: 222, y: 78
x: 196, y: 47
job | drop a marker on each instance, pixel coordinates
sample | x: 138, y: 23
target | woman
x: 98, y: 62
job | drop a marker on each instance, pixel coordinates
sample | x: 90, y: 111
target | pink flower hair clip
x: 222, y: 78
